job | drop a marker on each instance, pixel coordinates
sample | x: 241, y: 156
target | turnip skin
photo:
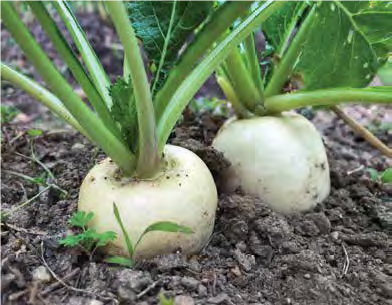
x: 281, y: 160
x: 183, y: 191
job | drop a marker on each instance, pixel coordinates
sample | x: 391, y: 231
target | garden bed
x: 339, y: 253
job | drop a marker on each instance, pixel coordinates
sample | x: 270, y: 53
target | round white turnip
x: 183, y: 191
x: 280, y: 159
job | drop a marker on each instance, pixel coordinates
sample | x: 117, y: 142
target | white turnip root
x: 281, y: 160
x: 183, y: 191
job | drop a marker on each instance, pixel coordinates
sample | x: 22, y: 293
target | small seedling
x: 162, y: 226
x: 89, y: 240
x: 34, y: 132
x: 377, y: 126
x: 384, y: 176
x: 7, y: 114
x: 3, y: 217
x: 164, y: 300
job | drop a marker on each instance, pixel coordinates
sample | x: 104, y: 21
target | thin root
x: 363, y: 132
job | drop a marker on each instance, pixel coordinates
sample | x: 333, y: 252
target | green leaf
x: 4, y: 217
x: 167, y: 226
x: 374, y: 174
x: 80, y: 219
x: 7, y: 114
x: 164, y: 226
x: 386, y: 176
x: 347, y: 43
x: 104, y: 238
x: 151, y: 21
x: 119, y: 260
x: 34, y: 132
x: 164, y: 300
x: 123, y: 111
x: 280, y: 25
x: 128, y: 241
x: 71, y: 240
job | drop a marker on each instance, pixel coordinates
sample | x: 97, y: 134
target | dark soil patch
x: 339, y: 253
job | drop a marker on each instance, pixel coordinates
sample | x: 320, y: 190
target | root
x: 363, y: 132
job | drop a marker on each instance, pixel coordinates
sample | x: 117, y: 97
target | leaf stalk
x: 283, y: 70
x: 147, y: 155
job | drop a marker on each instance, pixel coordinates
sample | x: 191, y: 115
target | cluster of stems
x: 238, y: 73
x: 240, y: 79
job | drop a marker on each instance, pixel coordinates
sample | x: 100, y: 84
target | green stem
x: 218, y: 24
x: 148, y: 158
x: 283, y: 70
x: 326, y: 97
x: 209, y: 64
x: 165, y: 46
x: 242, y: 81
x: 254, y: 65
x: 231, y: 96
x: 80, y: 111
x: 93, y: 65
x: 74, y: 65
x: 42, y: 95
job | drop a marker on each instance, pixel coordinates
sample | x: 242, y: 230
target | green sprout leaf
x: 34, y: 132
x: 386, y: 176
x: 119, y: 260
x: 164, y: 300
x: 104, y: 238
x: 4, y: 217
x: 151, y: 21
x: 80, y: 219
x: 374, y: 174
x: 89, y: 239
x: 130, y: 247
x: 164, y: 226
x: 8, y: 114
x: 167, y: 226
x: 71, y: 240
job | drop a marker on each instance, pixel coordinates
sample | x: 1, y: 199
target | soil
x: 338, y: 253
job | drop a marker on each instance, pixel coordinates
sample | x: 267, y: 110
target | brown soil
x: 339, y: 253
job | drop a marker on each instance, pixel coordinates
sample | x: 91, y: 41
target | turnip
x: 170, y: 195
x: 279, y: 156
x: 148, y: 181
x: 280, y: 159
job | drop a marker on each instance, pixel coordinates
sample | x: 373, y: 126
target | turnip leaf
x: 151, y: 21
x: 346, y: 43
x: 280, y: 25
x: 124, y: 112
